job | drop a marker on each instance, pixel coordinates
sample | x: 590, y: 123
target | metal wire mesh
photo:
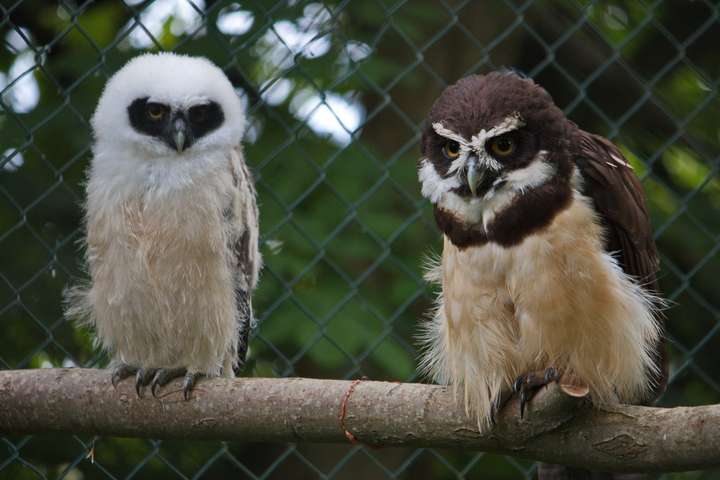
x: 336, y: 92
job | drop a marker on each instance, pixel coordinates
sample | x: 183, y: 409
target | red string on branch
x: 343, y: 411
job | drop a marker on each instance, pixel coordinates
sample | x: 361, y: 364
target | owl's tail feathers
x: 548, y: 471
x: 246, y: 322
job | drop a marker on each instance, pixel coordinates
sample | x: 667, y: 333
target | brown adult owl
x: 548, y: 263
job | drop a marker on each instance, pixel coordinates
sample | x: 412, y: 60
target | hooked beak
x: 475, y: 175
x: 178, y: 135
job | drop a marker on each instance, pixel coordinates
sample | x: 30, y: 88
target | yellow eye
x: 155, y: 111
x: 502, y: 146
x: 451, y: 150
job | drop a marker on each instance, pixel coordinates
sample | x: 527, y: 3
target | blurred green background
x: 336, y: 92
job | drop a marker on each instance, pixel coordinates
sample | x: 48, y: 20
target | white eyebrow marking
x: 508, y: 124
x: 477, y: 142
x: 449, y: 134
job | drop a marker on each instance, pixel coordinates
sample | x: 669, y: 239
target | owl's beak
x: 179, y: 136
x: 475, y: 174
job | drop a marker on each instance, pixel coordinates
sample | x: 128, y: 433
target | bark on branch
x: 557, y: 428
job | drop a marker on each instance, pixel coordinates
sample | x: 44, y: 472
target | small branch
x: 557, y: 428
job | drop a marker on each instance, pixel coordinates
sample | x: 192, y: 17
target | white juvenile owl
x: 171, y: 223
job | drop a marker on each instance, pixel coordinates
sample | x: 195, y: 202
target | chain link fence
x: 336, y: 92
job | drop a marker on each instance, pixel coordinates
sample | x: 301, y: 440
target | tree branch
x: 557, y: 428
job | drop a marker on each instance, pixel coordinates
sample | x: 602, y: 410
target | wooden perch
x: 557, y: 428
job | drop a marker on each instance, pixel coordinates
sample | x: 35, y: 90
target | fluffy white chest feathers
x: 554, y: 300
x: 159, y: 250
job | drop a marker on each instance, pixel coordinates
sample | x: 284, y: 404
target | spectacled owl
x: 171, y: 224
x: 548, y: 266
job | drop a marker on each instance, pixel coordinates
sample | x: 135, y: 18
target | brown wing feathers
x: 619, y: 200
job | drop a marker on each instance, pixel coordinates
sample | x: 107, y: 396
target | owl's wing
x: 244, y: 218
x: 619, y: 199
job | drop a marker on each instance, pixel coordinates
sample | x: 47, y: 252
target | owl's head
x: 488, y: 140
x: 165, y: 106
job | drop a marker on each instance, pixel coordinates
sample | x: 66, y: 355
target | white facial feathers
x: 474, y: 210
x: 433, y: 186
x: 536, y: 173
x: 175, y: 80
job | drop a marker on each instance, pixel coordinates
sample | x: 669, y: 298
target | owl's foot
x: 121, y: 372
x: 155, y: 378
x: 526, y: 386
x: 143, y: 377
x: 189, y: 383
x: 163, y: 376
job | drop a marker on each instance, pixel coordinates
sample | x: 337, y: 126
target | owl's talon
x: 142, y: 378
x: 163, y: 376
x: 189, y: 383
x: 517, y: 386
x: 526, y: 386
x: 121, y: 372
x: 551, y: 375
x: 524, y: 398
